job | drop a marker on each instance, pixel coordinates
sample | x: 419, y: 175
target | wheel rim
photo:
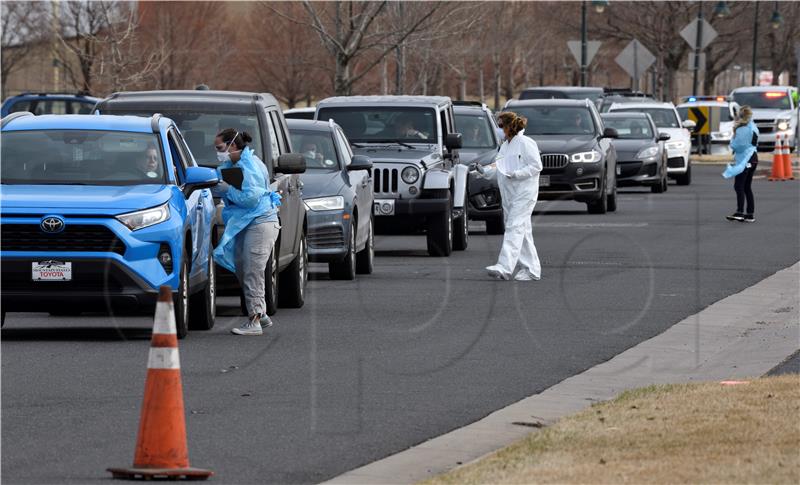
x: 371, y: 241
x: 212, y: 287
x: 302, y: 266
x: 450, y: 228
x: 352, y: 251
x: 274, y: 278
x: 185, y: 297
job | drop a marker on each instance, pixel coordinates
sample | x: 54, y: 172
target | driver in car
x: 405, y: 128
x: 311, y: 153
x: 148, y: 165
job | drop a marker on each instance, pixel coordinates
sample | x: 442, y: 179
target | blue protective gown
x: 254, y: 200
x: 743, y: 149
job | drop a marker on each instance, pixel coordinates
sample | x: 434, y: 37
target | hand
x: 220, y: 189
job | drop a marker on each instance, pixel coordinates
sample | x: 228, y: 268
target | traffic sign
x: 689, y: 33
x: 699, y: 114
x: 592, y: 47
x: 635, y: 59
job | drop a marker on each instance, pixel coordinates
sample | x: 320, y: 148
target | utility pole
x: 583, y: 43
x: 697, y: 45
x: 755, y: 47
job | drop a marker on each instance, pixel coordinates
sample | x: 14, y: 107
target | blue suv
x: 98, y: 212
x: 49, y: 103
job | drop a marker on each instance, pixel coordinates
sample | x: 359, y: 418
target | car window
x: 20, y: 106
x: 177, y: 157
x: 273, y: 140
x: 556, y: 120
x: 185, y: 151
x: 384, y: 124
x: 634, y: 128
x: 80, y: 157
x: 317, y: 148
x: 344, y: 147
x: 662, y: 117
x: 476, y: 130
x: 283, y: 142
x: 80, y: 108
x: 764, y: 100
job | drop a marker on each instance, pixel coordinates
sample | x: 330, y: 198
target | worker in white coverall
x: 518, y: 165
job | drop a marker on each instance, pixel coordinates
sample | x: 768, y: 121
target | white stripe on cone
x: 163, y: 358
x: 164, y: 322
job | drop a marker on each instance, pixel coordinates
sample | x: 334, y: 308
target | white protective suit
x: 518, y: 167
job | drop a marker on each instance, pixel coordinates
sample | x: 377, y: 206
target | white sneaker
x: 265, y: 321
x: 525, y: 275
x: 496, y: 272
x: 248, y: 328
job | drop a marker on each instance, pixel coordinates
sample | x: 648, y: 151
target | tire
x: 461, y: 232
x: 600, y: 205
x: 181, y: 299
x: 611, y: 199
x: 685, y: 178
x: 345, y: 269
x: 292, y: 285
x: 439, y: 233
x: 658, y: 188
x: 365, y: 259
x: 203, y: 305
x: 271, y: 283
x: 495, y: 226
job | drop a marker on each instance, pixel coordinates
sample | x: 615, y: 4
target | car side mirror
x: 689, y: 125
x: 289, y: 163
x: 663, y: 136
x: 199, y: 178
x: 360, y: 162
x: 453, y: 141
x: 610, y: 133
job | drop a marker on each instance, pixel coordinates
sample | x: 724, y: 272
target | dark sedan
x: 479, y: 131
x: 337, y: 191
x: 641, y: 157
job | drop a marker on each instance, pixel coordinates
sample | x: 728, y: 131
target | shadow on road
x: 402, y: 253
x: 83, y: 334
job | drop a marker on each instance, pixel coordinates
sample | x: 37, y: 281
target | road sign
x: 702, y: 61
x: 689, y: 33
x: 699, y: 114
x: 635, y: 59
x: 592, y: 47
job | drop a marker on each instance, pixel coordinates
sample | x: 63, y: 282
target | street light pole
x: 697, y: 45
x: 583, y: 42
x: 755, y: 47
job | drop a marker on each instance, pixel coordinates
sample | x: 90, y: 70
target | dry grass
x: 698, y: 433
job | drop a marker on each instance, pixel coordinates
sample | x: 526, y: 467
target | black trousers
x: 742, y: 184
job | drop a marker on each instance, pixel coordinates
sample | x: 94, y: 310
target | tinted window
x: 344, y: 148
x: 630, y: 128
x: 764, y: 100
x: 80, y: 108
x: 476, y: 131
x: 317, y: 148
x: 384, y: 124
x: 556, y: 120
x: 662, y: 117
x: 80, y: 157
x: 20, y: 106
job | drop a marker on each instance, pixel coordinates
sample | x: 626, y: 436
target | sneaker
x: 525, y: 275
x: 265, y: 321
x: 250, y: 327
x: 735, y: 217
x: 497, y: 273
x: 749, y: 218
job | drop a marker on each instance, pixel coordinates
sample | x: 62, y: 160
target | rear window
x: 81, y: 157
x: 633, y: 128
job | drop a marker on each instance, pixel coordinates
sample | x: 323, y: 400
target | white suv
x: 667, y: 120
x: 775, y: 112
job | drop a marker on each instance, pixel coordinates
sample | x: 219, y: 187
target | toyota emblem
x: 52, y: 224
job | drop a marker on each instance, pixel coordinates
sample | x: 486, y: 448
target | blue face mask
x: 501, y: 135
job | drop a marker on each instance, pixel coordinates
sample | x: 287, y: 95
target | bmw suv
x: 98, y: 212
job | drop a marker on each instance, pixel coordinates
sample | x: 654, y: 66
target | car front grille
x: 629, y: 169
x: 675, y: 162
x: 326, y: 238
x: 74, y: 237
x: 554, y: 160
x: 385, y: 180
x: 765, y: 126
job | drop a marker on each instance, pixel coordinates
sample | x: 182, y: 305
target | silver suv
x: 418, y: 180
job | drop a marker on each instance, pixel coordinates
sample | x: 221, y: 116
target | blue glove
x: 220, y: 189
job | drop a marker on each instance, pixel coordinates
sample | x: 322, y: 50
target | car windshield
x: 724, y: 113
x: 200, y: 129
x: 81, y: 157
x: 633, y: 128
x: 764, y: 100
x: 662, y: 117
x: 556, y: 120
x: 384, y: 124
x: 317, y: 148
x: 476, y: 131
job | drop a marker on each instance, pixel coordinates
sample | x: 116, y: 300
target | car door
x: 360, y: 182
x: 288, y: 188
x: 204, y: 209
x: 192, y: 202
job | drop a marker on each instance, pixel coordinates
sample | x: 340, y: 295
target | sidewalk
x: 742, y: 336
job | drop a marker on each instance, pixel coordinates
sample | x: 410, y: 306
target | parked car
x: 300, y: 113
x: 98, y: 212
x: 641, y: 156
x: 722, y: 113
x: 419, y: 182
x: 478, y: 129
x: 201, y: 114
x: 776, y: 110
x: 49, y: 103
x: 593, y: 94
x: 578, y: 157
x: 667, y: 120
x: 337, y: 191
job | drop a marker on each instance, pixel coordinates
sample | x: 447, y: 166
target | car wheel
x: 685, y: 178
x: 495, y: 226
x: 439, y: 232
x: 271, y: 283
x: 599, y: 205
x: 181, y: 299
x: 203, y: 305
x: 345, y: 269
x: 659, y: 187
x: 365, y: 259
x: 293, y: 279
x: 611, y: 202
x: 461, y: 232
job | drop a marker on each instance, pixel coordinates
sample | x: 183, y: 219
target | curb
x: 741, y: 336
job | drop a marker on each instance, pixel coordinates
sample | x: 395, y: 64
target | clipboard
x: 233, y: 176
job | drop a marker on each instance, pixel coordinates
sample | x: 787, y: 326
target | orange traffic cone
x: 161, y: 450
x: 777, y: 161
x: 787, y: 160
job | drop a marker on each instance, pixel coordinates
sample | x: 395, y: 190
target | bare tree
x: 21, y: 24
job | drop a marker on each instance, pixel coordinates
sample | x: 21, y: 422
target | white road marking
x: 163, y: 358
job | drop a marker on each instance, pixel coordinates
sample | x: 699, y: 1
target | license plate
x: 383, y: 207
x: 51, y: 271
x: 544, y: 181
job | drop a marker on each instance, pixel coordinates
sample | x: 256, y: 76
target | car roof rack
x: 55, y: 93
x: 19, y: 114
x: 154, y: 122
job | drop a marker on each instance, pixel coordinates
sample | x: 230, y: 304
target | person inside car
x: 148, y: 165
x: 405, y: 128
x: 312, y: 155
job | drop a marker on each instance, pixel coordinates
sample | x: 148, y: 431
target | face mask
x: 311, y: 153
x: 223, y: 157
x: 501, y: 135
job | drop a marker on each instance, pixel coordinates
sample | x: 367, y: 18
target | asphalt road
x: 419, y: 348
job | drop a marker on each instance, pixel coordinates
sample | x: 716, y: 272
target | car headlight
x: 647, y: 152
x: 145, y: 218
x: 325, y: 203
x: 783, y: 125
x: 586, y: 157
x: 676, y: 145
x: 409, y: 175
